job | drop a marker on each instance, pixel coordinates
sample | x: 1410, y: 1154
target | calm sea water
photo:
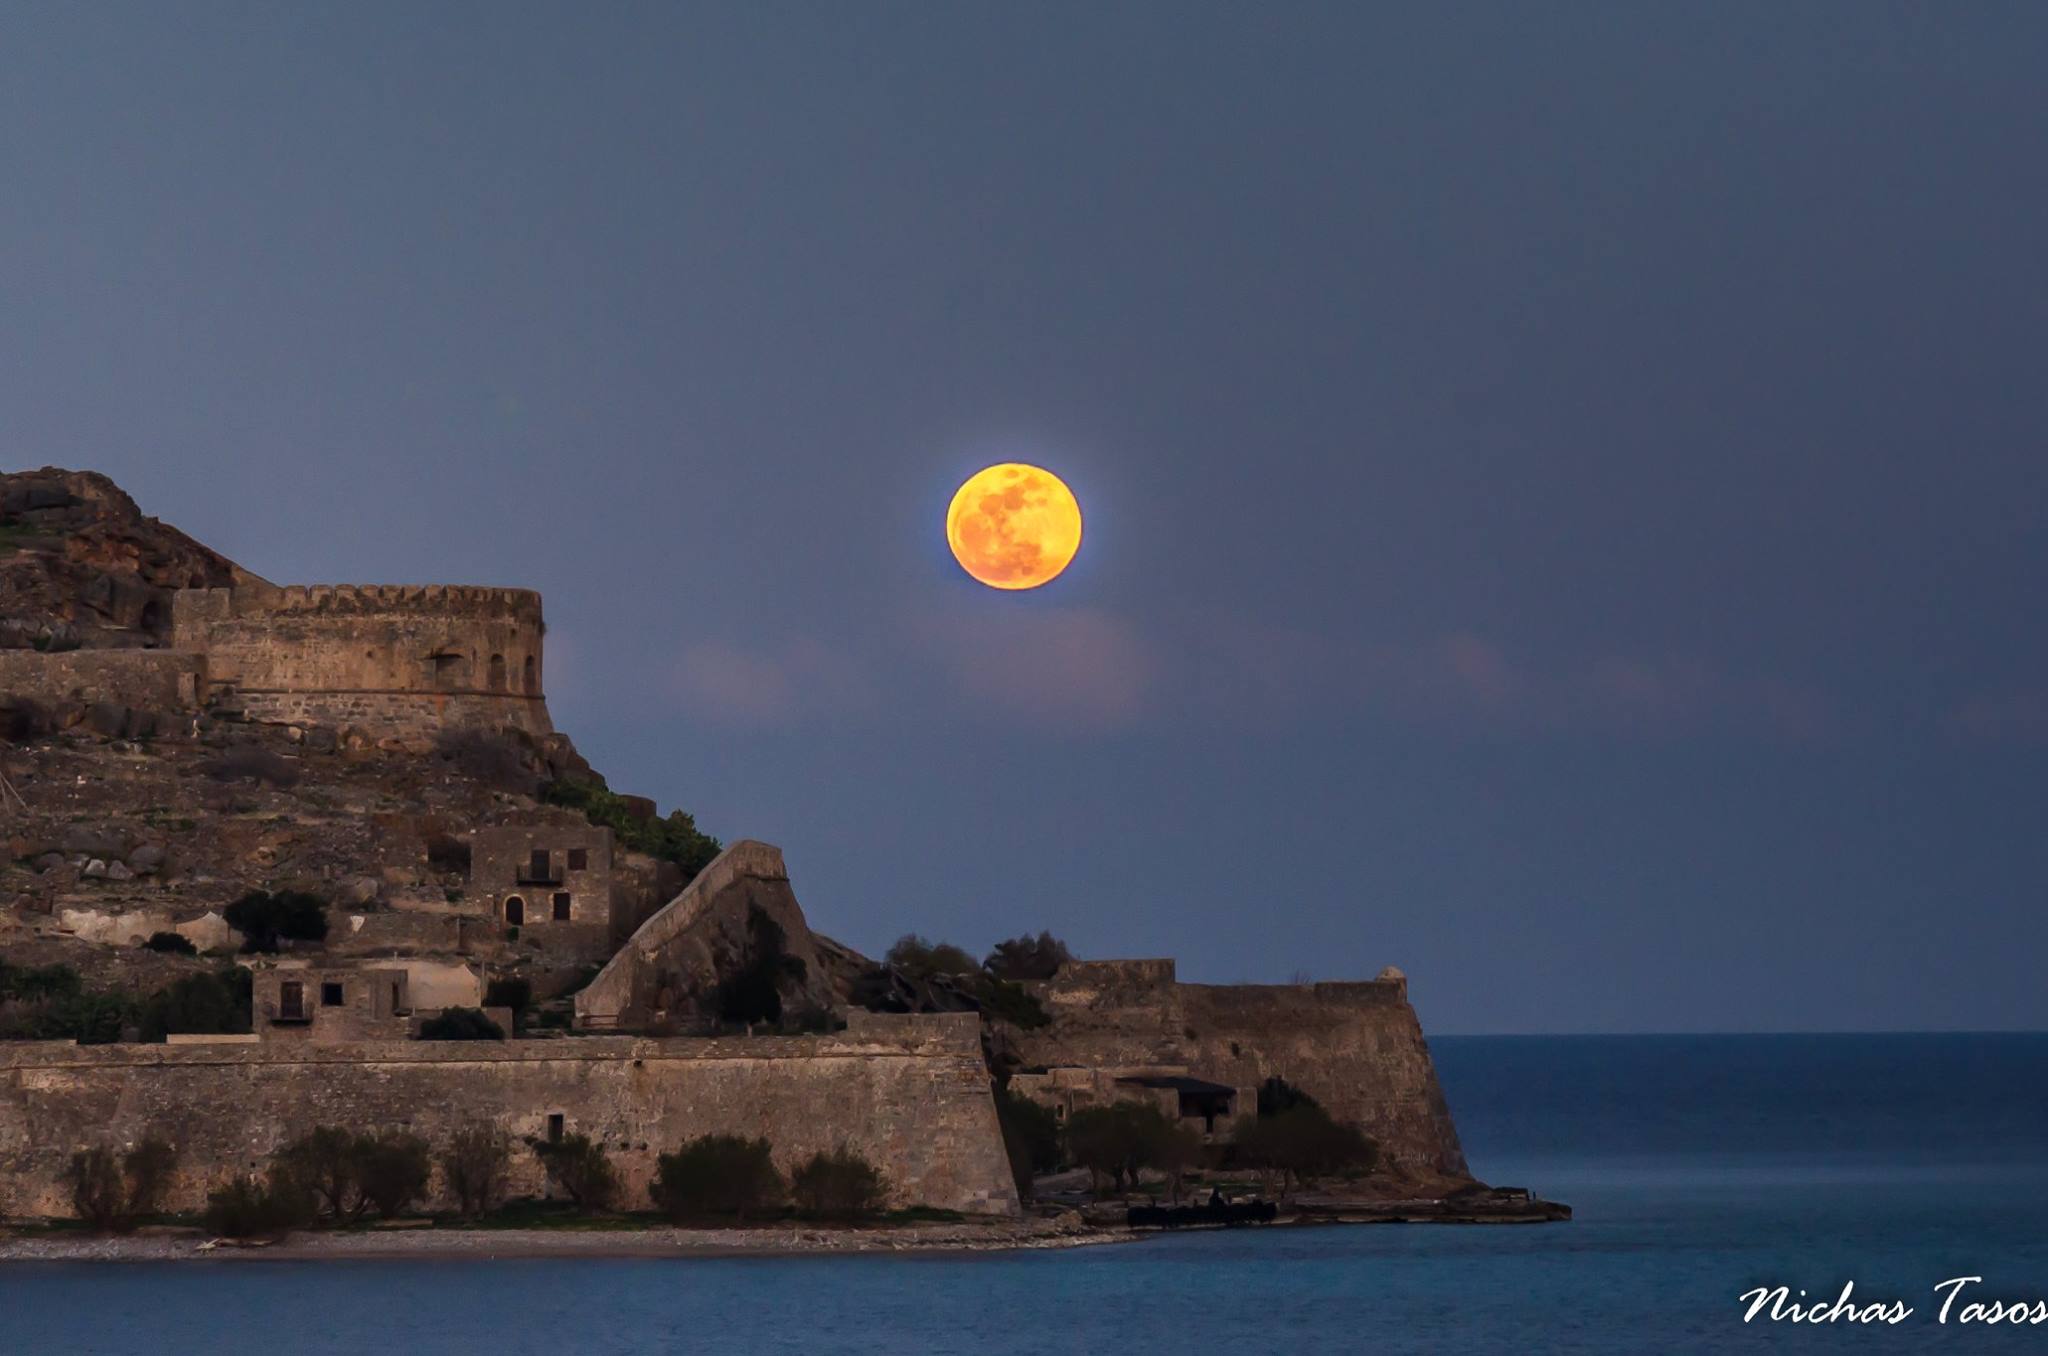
x: 1699, y: 1167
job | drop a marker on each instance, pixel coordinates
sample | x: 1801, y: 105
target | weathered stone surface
x: 908, y: 1093
x: 1357, y: 1048
x: 668, y: 971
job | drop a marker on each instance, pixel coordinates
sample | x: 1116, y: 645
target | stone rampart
x: 911, y: 1094
x: 1356, y: 1047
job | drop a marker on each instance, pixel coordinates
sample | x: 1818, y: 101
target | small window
x: 515, y: 911
x: 561, y: 908
x: 532, y: 677
x: 579, y: 859
x: 538, y: 865
x: 291, y: 1001
x: 555, y: 1127
x: 497, y: 673
x: 330, y: 994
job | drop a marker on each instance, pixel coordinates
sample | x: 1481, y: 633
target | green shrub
x: 264, y: 919
x: 51, y: 1003
x: 213, y: 1004
x: 717, y: 1175
x: 394, y: 1170
x: 837, y: 1185
x: 475, y: 1166
x: 1031, y: 1138
x: 461, y: 1024
x: 247, y: 1208
x: 1010, y: 1002
x: 920, y: 959
x: 171, y: 944
x: 580, y: 1168
x: 1028, y: 957
x: 39, y: 982
x: 674, y: 839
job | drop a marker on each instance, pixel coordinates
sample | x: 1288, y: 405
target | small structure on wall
x: 330, y: 1004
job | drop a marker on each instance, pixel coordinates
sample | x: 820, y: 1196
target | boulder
x: 94, y: 869
x: 118, y: 870
x: 149, y: 858
x: 108, y: 719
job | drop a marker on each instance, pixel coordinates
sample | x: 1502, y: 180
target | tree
x: 1276, y: 1095
x: 1303, y: 1143
x: 475, y: 1166
x: 1118, y: 1141
x: 327, y: 1164
x: 247, y: 1208
x: 264, y: 919
x: 1031, y: 1138
x: 113, y: 1195
x: 394, y: 1170
x: 579, y: 1166
x: 212, y: 1003
x: 1028, y: 957
x: 717, y: 1175
x: 171, y: 944
x: 673, y: 839
x: 461, y: 1024
x: 1176, y: 1150
x: 837, y: 1185
x: 753, y: 991
x: 920, y: 959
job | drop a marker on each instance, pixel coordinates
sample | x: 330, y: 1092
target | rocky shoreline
x: 1069, y: 1230
x: 175, y: 1244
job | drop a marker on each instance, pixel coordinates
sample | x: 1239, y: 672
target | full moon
x: 1014, y: 526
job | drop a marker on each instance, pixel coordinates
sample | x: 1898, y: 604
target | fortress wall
x: 396, y: 661
x: 154, y: 680
x: 1357, y: 1048
x: 912, y: 1096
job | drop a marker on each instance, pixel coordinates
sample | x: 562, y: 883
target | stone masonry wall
x: 154, y: 680
x: 1357, y: 1048
x: 910, y: 1093
x: 397, y: 661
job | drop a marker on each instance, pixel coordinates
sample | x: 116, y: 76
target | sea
x: 1700, y: 1168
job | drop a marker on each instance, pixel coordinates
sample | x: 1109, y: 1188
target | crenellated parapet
x: 443, y: 600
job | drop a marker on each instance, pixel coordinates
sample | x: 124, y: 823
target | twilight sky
x: 1564, y: 484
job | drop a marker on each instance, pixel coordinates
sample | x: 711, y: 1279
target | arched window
x: 451, y: 670
x: 532, y: 676
x: 497, y: 673
x: 515, y: 911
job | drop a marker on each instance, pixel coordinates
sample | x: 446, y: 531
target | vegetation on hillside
x: 674, y: 839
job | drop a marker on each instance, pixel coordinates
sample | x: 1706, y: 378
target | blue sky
x: 1564, y: 484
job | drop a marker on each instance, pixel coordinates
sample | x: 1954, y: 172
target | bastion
x: 401, y: 661
x: 908, y: 1093
x: 1357, y: 1047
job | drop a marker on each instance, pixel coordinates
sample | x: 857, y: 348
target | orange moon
x: 1014, y: 526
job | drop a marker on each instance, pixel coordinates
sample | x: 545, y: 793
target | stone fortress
x: 136, y: 665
